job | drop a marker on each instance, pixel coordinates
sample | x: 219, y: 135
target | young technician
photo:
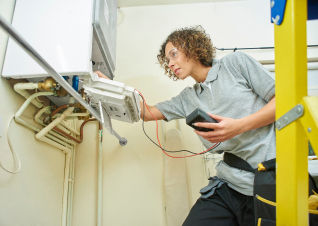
x: 240, y: 94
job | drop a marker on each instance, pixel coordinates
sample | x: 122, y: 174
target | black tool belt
x: 237, y: 162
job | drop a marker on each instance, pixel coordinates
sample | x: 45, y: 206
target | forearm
x: 155, y: 113
x: 263, y: 117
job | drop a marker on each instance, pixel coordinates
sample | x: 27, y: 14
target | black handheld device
x: 199, y: 115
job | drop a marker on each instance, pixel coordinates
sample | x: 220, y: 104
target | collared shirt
x: 236, y: 86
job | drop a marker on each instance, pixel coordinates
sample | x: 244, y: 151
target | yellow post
x: 291, y: 87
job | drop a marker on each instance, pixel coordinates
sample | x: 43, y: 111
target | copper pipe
x: 82, y: 126
x: 58, y: 109
x: 67, y: 135
x: 81, y: 131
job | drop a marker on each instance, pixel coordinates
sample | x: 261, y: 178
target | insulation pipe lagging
x: 55, y: 134
x: 63, y: 124
x: 54, y: 123
x: 28, y: 101
x: 17, y: 117
x: 22, y: 88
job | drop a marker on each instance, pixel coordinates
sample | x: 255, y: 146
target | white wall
x: 33, y: 196
x: 243, y: 23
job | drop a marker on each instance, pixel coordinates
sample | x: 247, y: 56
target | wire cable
x: 246, y: 48
x: 17, y: 161
x: 159, y: 144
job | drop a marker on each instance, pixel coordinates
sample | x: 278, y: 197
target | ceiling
x: 130, y: 3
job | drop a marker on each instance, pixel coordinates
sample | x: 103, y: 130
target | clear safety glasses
x: 173, y: 54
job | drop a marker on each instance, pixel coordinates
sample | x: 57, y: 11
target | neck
x: 200, y: 72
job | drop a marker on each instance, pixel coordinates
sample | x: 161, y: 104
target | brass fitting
x: 49, y: 84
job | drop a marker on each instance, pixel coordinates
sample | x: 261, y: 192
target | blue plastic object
x: 75, y: 81
x: 277, y: 11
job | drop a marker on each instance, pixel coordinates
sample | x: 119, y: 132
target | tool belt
x: 265, y: 190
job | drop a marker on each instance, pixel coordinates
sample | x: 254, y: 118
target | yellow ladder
x: 292, y: 140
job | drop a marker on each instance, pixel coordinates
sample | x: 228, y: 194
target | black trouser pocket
x: 264, y: 208
x: 265, y: 211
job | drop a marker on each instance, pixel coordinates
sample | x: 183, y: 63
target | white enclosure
x: 62, y: 33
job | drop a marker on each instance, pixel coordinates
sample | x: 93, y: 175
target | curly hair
x: 194, y: 42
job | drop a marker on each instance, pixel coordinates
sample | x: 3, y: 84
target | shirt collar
x: 212, y: 75
x: 213, y: 72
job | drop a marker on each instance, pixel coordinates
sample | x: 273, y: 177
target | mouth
x: 176, y: 71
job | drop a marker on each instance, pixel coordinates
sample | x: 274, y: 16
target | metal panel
x: 105, y: 23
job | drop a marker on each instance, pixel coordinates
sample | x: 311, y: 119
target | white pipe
x: 65, y: 149
x: 59, y: 139
x: 78, y: 115
x: 28, y: 125
x: 69, y: 128
x: 21, y: 89
x: 53, y: 133
x: 66, y: 187
x: 66, y: 130
x: 38, y: 115
x: 63, y: 124
x: 52, y: 141
x: 71, y: 188
x: 17, y: 116
x: 55, y: 122
x: 18, y: 119
x: 28, y: 100
x: 72, y: 115
x: 100, y: 180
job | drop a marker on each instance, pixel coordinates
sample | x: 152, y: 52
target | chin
x: 182, y: 77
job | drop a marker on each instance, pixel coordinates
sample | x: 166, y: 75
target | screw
x: 299, y: 109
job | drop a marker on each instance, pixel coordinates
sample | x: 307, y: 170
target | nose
x: 171, y: 64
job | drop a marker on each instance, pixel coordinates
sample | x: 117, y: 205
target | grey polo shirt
x: 236, y: 86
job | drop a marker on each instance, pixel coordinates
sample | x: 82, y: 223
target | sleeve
x: 173, y: 108
x: 259, y: 79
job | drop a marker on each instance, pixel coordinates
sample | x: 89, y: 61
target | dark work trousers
x: 226, y: 207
